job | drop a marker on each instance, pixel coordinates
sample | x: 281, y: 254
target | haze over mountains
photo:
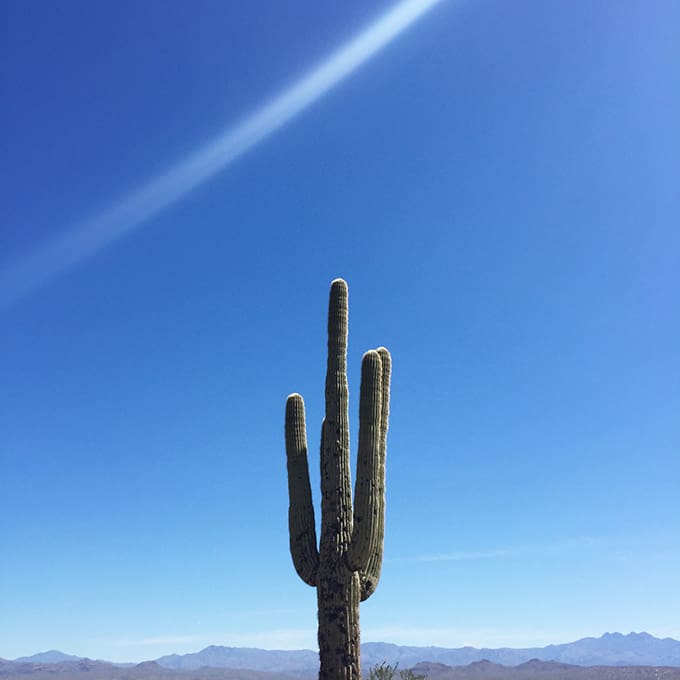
x: 611, y: 649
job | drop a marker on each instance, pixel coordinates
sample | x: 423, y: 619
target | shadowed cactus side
x: 345, y: 568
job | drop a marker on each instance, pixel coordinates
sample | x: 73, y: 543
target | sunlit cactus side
x: 345, y: 568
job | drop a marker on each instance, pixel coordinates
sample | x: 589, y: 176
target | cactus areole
x: 345, y: 567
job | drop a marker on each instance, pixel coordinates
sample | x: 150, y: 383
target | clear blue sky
x: 499, y: 187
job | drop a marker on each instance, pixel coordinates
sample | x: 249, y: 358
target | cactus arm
x: 302, y: 529
x: 336, y: 492
x: 367, y: 490
x: 371, y: 575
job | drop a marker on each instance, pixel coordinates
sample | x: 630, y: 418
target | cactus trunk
x: 338, y: 603
x: 346, y: 566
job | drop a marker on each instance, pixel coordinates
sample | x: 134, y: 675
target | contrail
x: 132, y: 211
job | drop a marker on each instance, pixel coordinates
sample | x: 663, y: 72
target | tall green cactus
x: 346, y: 566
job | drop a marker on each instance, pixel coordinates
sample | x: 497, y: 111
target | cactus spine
x: 345, y: 568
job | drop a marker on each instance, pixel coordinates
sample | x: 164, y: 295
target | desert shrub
x: 385, y: 671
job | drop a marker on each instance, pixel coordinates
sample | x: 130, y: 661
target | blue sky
x: 498, y: 185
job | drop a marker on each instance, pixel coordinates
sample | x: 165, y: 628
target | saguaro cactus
x: 345, y: 568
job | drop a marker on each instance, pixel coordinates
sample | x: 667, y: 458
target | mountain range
x: 478, y: 670
x: 611, y: 649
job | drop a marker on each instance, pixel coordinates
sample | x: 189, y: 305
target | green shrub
x: 385, y: 671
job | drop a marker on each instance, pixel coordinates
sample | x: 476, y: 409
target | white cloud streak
x: 142, y: 648
x: 550, y: 548
x: 157, y: 641
x: 461, y: 637
x: 56, y: 257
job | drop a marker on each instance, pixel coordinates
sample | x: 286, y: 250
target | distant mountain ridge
x: 479, y: 670
x: 243, y: 657
x: 51, y: 656
x: 611, y: 649
x: 544, y: 670
x: 87, y: 669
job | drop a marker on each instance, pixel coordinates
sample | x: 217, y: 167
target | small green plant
x: 385, y: 671
x: 382, y: 671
